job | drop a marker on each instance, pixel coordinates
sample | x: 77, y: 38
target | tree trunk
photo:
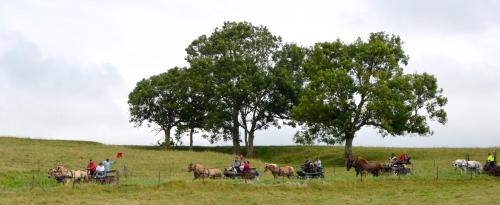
x: 235, y: 132
x: 191, y: 139
x: 167, y: 137
x: 250, y: 144
x: 348, y: 148
x: 246, y: 138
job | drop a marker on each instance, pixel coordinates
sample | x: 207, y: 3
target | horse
x: 351, y: 164
x: 198, y: 170
x: 474, y: 166
x: 363, y: 166
x: 79, y: 175
x: 213, y: 173
x: 457, y: 163
x: 279, y: 171
x: 61, y: 174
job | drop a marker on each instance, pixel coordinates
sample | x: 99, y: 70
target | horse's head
x: 350, y: 163
x: 51, y: 172
x: 190, y: 167
x: 265, y: 167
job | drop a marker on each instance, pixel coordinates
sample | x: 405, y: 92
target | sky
x: 66, y: 67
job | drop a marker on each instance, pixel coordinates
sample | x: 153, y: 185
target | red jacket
x: 246, y: 167
x: 92, y: 166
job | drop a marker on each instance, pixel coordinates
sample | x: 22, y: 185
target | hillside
x: 23, y: 159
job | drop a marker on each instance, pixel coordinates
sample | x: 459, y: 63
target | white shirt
x: 318, y: 163
x: 99, y: 168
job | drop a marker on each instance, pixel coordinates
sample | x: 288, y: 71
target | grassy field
x: 23, y: 160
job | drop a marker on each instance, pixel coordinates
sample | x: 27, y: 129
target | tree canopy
x: 248, y: 90
x: 159, y: 100
x: 242, y: 77
x: 350, y: 86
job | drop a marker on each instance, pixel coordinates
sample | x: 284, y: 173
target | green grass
x: 23, y: 160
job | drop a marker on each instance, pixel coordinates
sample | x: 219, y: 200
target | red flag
x: 119, y: 155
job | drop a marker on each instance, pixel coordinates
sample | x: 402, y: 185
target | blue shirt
x: 107, y: 164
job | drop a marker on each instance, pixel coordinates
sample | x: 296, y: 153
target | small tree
x: 350, y: 86
x: 158, y: 100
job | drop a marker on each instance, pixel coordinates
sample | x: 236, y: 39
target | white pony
x: 474, y: 166
x: 458, y: 163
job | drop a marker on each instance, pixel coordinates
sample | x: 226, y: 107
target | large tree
x: 238, y: 65
x: 350, y: 86
x: 159, y: 100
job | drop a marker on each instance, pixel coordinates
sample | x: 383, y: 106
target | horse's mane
x: 362, y: 159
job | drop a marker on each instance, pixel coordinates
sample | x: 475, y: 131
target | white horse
x: 474, y: 166
x: 464, y: 165
x: 458, y: 163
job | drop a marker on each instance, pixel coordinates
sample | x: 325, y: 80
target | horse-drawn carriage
x: 235, y: 173
x: 109, y: 177
x: 64, y: 175
x: 491, y: 169
x: 310, y: 171
x: 398, y: 168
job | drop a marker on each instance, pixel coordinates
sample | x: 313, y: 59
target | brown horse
x: 362, y: 166
x: 279, y: 171
x: 213, y: 173
x: 198, y: 170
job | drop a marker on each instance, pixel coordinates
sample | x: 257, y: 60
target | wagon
x: 491, y: 169
x: 311, y: 173
x: 111, y: 177
x: 229, y: 173
x: 398, y: 169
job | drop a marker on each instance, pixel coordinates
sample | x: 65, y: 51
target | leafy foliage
x: 159, y: 100
x: 247, y: 89
x: 349, y: 86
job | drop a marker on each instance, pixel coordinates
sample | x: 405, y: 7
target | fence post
x: 125, y: 171
x: 118, y: 177
x: 437, y: 171
x: 32, y: 182
x: 159, y: 178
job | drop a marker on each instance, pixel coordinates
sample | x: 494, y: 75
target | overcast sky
x: 66, y: 67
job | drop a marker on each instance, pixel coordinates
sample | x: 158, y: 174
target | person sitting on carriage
x: 307, y: 167
x: 490, y: 160
x: 246, y: 167
x: 91, y: 168
x: 393, y: 159
x: 403, y: 158
x: 236, y: 165
x: 317, y: 164
x: 100, y: 171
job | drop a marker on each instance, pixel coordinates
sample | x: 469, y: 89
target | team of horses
x: 200, y: 172
x: 62, y: 174
x: 474, y: 166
